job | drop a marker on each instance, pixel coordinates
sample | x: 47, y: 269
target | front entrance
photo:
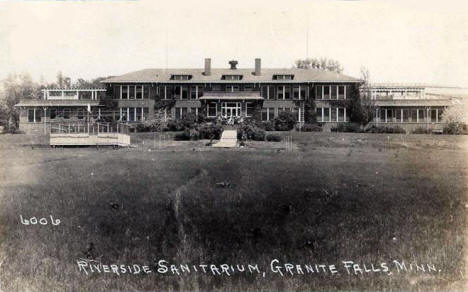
x: 231, y: 109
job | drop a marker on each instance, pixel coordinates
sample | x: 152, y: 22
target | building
x: 260, y: 93
x: 407, y: 105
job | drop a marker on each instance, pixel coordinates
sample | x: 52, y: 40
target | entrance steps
x: 228, y: 139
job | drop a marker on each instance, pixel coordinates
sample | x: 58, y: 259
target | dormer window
x: 231, y: 77
x: 283, y: 77
x: 181, y: 77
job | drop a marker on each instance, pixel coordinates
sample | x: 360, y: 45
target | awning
x: 239, y: 95
x: 52, y: 103
x: 414, y: 102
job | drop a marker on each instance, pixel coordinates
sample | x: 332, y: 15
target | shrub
x: 310, y: 128
x: 273, y: 138
x: 188, y: 134
x: 210, y: 131
x: 285, y: 121
x: 387, y: 130
x: 267, y: 125
x: 455, y: 128
x: 174, y: 125
x: 347, y: 128
x: 251, y: 132
x: 421, y: 130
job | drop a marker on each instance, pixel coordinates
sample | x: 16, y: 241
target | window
x: 326, y: 114
x: 406, y: 115
x: 422, y: 115
x: 139, y: 92
x: 181, y: 77
x: 333, y: 114
x: 341, y: 92
x: 80, y: 114
x: 296, y: 92
x: 248, y: 88
x: 176, y: 92
x: 124, y: 92
x: 326, y: 92
x: 382, y: 115
x: 334, y: 92
x: 31, y: 115
x: 439, y: 115
x: 319, y: 114
x: 66, y: 113
x: 341, y: 112
x: 302, y: 92
x: 390, y: 115
x: 283, y: 77
x: 53, y: 113
x: 414, y: 115
x: 139, y: 114
x: 193, y: 92
x: 231, y: 77
x: 145, y: 92
x: 264, y: 114
x: 398, y: 115
x: 280, y: 92
x: 211, y: 110
x: 131, y: 92
x: 271, y: 113
x: 287, y: 92
x: 433, y: 115
x: 145, y: 113
x: 184, y: 92
x: 249, y: 109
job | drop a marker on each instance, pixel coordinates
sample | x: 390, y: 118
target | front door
x: 231, y: 109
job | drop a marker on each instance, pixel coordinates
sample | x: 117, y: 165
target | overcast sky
x: 398, y: 41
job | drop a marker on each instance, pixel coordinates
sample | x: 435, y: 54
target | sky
x: 398, y: 41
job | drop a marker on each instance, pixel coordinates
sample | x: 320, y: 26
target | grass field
x: 366, y: 198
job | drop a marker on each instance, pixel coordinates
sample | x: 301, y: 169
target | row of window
x: 415, y: 115
x: 232, y: 77
x: 332, y: 114
x: 134, y: 92
x: 132, y: 114
x: 330, y: 92
x: 35, y: 115
x: 267, y: 91
x: 269, y: 114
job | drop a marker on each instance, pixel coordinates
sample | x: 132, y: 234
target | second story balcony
x: 73, y: 93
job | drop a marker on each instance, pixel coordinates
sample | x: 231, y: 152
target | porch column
x: 345, y: 115
x: 34, y: 115
x: 165, y: 114
x: 135, y: 114
x: 196, y: 91
x: 401, y: 117
x: 377, y: 119
x: 437, y: 115
x: 120, y: 114
x: 417, y: 115
x: 99, y: 113
x: 120, y: 91
x: 128, y: 114
x: 165, y: 92
x: 142, y: 114
x: 344, y: 86
x: 45, y: 122
x: 268, y: 92
x: 337, y: 114
x: 323, y: 114
x: 386, y: 116
x: 299, y: 111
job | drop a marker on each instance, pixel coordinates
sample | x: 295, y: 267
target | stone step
x: 228, y: 139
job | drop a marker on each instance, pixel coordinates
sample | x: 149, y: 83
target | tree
x: 456, y: 119
x: 16, y: 87
x: 319, y: 63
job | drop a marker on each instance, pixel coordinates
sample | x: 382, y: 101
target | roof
x: 396, y: 85
x: 36, y: 102
x: 74, y: 89
x: 198, y: 76
x: 415, y: 102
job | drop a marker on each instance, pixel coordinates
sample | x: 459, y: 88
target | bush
x: 347, y: 128
x: 285, y: 121
x: 210, y: 131
x: 267, y: 125
x: 310, y: 128
x: 387, y: 130
x: 187, y: 134
x: 174, y: 125
x: 251, y: 132
x: 455, y: 128
x: 273, y: 138
x: 421, y: 130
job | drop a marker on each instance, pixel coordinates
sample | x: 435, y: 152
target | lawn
x: 328, y: 199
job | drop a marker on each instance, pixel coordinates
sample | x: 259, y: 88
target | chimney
x: 233, y: 64
x: 207, y: 71
x: 258, y: 66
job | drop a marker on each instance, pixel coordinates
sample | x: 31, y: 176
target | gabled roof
x: 198, y: 76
